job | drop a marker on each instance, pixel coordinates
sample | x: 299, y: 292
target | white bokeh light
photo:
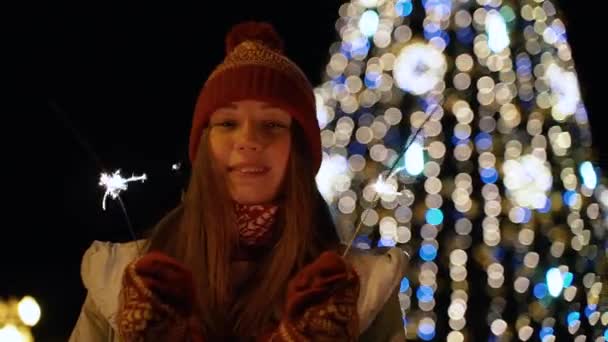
x: 565, y: 91
x: 498, y: 37
x: 333, y: 170
x: 527, y: 180
x: 323, y: 116
x: 555, y: 281
x: 419, y: 67
x: 414, y: 159
x: 29, y: 311
x: 368, y: 23
x: 588, y: 174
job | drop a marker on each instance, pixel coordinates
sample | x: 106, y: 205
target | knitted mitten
x: 321, y: 303
x: 157, y: 300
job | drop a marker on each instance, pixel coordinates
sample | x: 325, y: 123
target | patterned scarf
x: 256, y: 225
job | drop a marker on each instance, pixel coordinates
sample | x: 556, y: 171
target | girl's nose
x: 247, y: 138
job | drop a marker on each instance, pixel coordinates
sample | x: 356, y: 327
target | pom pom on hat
x: 254, y: 31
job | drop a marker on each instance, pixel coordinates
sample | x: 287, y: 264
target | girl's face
x: 250, y: 142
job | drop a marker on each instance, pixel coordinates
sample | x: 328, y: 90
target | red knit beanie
x: 256, y: 69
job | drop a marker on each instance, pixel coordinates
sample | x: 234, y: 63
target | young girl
x: 251, y: 253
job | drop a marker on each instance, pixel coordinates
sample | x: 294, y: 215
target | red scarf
x: 255, y: 223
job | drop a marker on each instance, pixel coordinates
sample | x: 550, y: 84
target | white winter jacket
x: 103, y: 264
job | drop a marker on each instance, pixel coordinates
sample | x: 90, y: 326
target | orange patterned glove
x: 321, y: 303
x: 157, y: 301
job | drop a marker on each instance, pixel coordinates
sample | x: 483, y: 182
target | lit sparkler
x: 115, y: 183
x: 382, y: 186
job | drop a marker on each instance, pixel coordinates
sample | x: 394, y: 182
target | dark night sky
x: 125, y: 78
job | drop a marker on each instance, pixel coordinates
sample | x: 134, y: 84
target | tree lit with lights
x: 498, y: 200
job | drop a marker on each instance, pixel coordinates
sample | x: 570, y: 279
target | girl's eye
x: 275, y: 124
x: 227, y: 123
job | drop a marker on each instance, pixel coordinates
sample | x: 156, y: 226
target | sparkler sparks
x: 115, y: 183
x: 384, y: 187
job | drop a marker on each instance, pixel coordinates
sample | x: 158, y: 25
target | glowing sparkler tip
x: 115, y: 183
x: 383, y: 187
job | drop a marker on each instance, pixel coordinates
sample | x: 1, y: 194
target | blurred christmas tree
x: 497, y: 199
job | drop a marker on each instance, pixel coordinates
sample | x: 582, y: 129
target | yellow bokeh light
x: 462, y: 18
x: 29, y: 311
x: 464, y: 62
x: 354, y: 84
x: 369, y: 3
x: 338, y: 62
x: 382, y: 38
x: 462, y: 81
x: 403, y: 34
x: 564, y: 52
x: 457, y: 324
x: 525, y: 332
x: 10, y: 333
x: 436, y: 150
x: 455, y: 336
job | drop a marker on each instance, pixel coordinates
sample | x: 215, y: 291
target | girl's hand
x: 157, y: 301
x: 321, y: 303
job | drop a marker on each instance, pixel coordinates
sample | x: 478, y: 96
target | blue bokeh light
x: 428, y: 252
x: 404, y: 8
x: 546, y: 331
x: 540, y: 290
x: 372, y: 80
x: 527, y: 215
x: 572, y: 317
x: 363, y: 242
x: 426, y: 331
x: 424, y: 293
x: 568, y: 278
x: 590, y: 309
x: 483, y: 141
x: 405, y: 285
x: 569, y: 198
x: 434, y: 216
x: 546, y: 208
x: 488, y: 175
x: 384, y: 242
x: 465, y: 35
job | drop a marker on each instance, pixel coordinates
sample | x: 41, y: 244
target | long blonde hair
x: 202, y: 234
